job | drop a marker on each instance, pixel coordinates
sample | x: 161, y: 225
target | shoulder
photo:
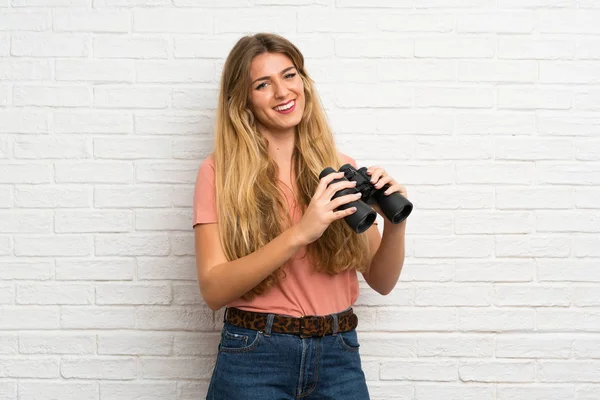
x: 208, y: 165
x: 209, y: 161
x: 346, y: 159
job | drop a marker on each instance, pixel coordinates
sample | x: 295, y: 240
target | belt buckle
x: 321, y: 329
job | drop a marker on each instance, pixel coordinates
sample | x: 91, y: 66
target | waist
x: 305, y: 326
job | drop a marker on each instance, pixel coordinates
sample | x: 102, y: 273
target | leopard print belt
x: 306, y: 326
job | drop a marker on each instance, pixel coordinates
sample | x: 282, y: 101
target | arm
x: 388, y: 256
x: 387, y: 251
x: 222, y: 281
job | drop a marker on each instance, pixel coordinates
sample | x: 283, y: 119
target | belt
x: 305, y: 326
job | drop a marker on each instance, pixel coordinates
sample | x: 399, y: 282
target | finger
x: 371, y: 169
x: 383, y: 181
x: 395, y: 188
x: 348, y: 198
x: 343, y: 213
x: 336, y: 187
x: 377, y: 173
x: 325, y: 181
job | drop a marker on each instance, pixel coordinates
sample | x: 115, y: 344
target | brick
x: 172, y: 123
x: 180, y: 71
x: 498, y: 222
x: 94, y: 172
x: 533, y: 346
x: 17, y: 20
x: 97, y: 269
x: 37, y: 367
x: 132, y: 196
x: 132, y: 148
x: 59, y: 245
x: 133, y: 244
x: 52, y: 96
x: 497, y: 371
x: 23, y: 121
x: 23, y: 318
x: 26, y: 269
x: 84, y: 317
x: 131, y: 97
x: 134, y: 343
x: 496, y: 22
x: 163, y: 220
x: 159, y: 268
x: 137, y: 294
x: 170, y: 20
x: 175, y: 368
x: 49, y: 45
x: 498, y: 71
x: 495, y: 320
x: 455, y: 97
x: 197, y: 344
x: 55, y: 196
x: 131, y: 47
x: 57, y: 343
x: 459, y: 47
x: 174, y: 318
x: 536, y: 198
x: 25, y: 222
x: 116, y: 368
x: 133, y: 390
x: 452, y: 296
x: 94, y: 70
x: 52, y: 147
x: 409, y: 370
x: 87, y: 20
x: 24, y: 70
x: 47, y: 390
x: 530, y: 98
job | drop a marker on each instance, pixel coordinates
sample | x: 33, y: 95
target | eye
x: 262, y: 85
x: 290, y: 75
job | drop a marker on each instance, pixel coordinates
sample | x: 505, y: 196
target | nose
x: 281, y: 90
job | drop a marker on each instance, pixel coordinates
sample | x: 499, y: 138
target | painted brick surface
x: 487, y: 110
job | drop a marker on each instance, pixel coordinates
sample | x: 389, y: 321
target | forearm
x: 387, y: 262
x: 230, y: 280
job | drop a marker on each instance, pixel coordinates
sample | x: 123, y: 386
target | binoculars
x: 395, y: 206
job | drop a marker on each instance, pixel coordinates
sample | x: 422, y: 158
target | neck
x: 281, y: 145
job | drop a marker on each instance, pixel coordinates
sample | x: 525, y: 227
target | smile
x: 286, y: 108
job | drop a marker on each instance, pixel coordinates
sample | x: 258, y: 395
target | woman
x: 270, y: 245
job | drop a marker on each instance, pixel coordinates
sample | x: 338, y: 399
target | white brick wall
x: 488, y: 111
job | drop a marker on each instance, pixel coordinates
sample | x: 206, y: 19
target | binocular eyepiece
x: 395, y: 207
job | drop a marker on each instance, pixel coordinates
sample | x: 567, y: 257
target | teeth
x: 285, y: 107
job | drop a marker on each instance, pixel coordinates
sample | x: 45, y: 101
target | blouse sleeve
x: 205, y: 207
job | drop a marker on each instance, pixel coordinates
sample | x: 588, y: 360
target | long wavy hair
x: 252, y: 209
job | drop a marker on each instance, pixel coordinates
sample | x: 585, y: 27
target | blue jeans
x: 275, y: 366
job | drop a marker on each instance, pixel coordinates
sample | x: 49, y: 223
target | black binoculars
x: 395, y: 206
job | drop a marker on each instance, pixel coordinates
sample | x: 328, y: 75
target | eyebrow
x: 267, y: 77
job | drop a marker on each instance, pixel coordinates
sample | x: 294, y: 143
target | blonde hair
x: 251, y: 208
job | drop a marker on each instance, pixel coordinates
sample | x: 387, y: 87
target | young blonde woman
x: 270, y: 245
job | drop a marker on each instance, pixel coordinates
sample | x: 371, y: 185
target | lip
x: 289, y: 110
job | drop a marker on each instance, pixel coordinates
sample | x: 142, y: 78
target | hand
x: 380, y: 178
x: 321, y: 211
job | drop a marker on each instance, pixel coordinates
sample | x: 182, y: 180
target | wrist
x: 297, y: 238
x: 387, y: 225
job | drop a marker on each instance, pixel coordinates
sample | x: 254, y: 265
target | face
x: 276, y: 92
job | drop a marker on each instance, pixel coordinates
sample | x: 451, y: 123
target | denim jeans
x: 264, y: 365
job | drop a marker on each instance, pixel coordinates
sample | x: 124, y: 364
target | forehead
x: 267, y: 64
